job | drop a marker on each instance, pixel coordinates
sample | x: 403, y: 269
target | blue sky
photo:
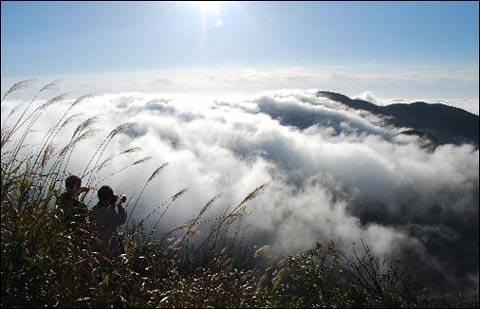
x: 339, y: 39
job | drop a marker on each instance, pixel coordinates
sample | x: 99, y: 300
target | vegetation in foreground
x: 44, y: 264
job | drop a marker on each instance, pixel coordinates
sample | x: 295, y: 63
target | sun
x: 209, y: 7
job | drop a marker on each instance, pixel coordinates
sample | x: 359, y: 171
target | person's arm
x: 115, y: 218
x: 122, y: 213
x: 108, y: 216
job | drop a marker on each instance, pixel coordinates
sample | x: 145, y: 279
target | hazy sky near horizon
x: 396, y: 50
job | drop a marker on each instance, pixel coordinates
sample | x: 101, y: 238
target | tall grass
x: 44, y: 264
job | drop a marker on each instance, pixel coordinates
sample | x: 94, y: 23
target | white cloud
x: 449, y: 85
x: 370, y: 97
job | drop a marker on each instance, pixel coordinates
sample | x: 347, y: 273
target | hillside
x: 441, y: 123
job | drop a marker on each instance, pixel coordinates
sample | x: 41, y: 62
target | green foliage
x: 326, y: 277
x: 313, y: 279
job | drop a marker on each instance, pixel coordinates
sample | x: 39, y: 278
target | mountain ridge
x: 440, y: 123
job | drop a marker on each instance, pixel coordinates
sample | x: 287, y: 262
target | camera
x: 117, y: 200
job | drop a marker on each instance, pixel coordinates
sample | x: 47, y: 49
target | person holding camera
x: 106, y: 219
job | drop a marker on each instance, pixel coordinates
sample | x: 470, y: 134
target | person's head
x: 73, y: 185
x: 105, y: 195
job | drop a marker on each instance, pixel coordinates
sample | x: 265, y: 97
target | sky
x: 395, y: 50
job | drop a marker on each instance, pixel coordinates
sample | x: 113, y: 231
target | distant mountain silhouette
x: 440, y: 123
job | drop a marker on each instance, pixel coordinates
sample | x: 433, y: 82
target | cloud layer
x: 454, y: 86
x: 333, y: 174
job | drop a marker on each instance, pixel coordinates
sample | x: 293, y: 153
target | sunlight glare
x: 209, y: 6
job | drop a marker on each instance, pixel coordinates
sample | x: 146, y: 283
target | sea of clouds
x: 332, y: 173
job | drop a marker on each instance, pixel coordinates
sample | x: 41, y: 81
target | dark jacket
x: 73, y: 211
x: 106, y: 220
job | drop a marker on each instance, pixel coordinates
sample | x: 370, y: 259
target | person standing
x: 73, y: 212
x: 106, y: 220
